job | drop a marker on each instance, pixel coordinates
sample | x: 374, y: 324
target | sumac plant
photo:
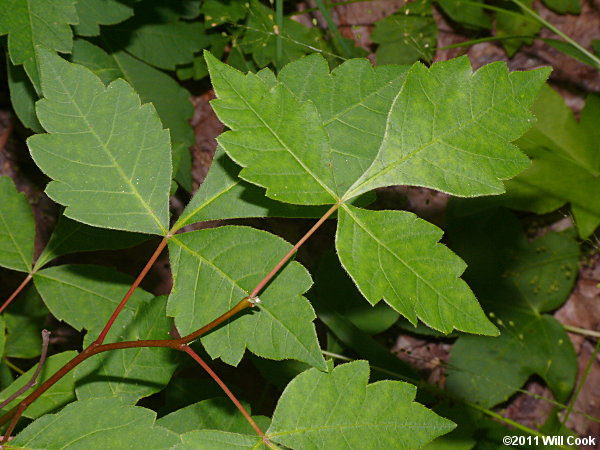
x: 307, y: 142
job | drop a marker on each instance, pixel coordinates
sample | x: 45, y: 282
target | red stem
x: 289, y: 254
x: 17, y: 291
x: 133, y: 287
x: 223, y: 386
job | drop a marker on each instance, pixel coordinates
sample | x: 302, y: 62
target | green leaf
x: 210, y: 272
x: 32, y: 23
x: 153, y: 86
x: 154, y: 26
x: 99, y: 12
x: 212, y: 414
x: 516, y: 281
x: 384, y: 253
x: 223, y: 195
x: 427, y: 129
x: 57, y: 396
x: 134, y: 373
x: 23, y: 96
x: 218, y: 440
x: 97, y: 423
x: 407, y: 35
x: 17, y: 228
x: 471, y: 16
x: 565, y: 162
x: 85, y: 296
x: 72, y: 237
x: 110, y: 160
x: 564, y: 6
x: 260, y: 38
x: 339, y: 410
x: 2, y: 335
x: 217, y: 12
x: 438, y: 123
x: 24, y: 320
x: 516, y: 25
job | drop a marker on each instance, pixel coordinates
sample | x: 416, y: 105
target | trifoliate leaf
x: 339, y: 410
x: 93, y: 13
x: 156, y: 26
x: 17, y: 228
x: 23, y: 96
x: 30, y: 23
x: 566, y: 162
x: 212, y: 414
x: 210, y: 272
x: 97, y: 423
x: 395, y: 256
x: 223, y: 195
x: 407, y: 35
x: 111, y: 159
x: 133, y: 373
x: 85, y: 296
x: 73, y: 237
x: 57, y: 396
x: 429, y: 131
x: 516, y: 281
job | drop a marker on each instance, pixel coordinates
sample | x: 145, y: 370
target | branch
x: 32, y: 382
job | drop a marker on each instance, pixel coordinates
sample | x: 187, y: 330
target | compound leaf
x: 384, y: 252
x: 428, y: 127
x: 97, y: 423
x: 339, y: 410
x: 17, y: 228
x: 210, y: 271
x: 108, y: 155
x: 30, y: 23
x: 57, y: 396
x: 517, y: 282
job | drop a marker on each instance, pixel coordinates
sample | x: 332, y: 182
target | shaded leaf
x: 223, y: 195
x: 134, y: 373
x: 566, y: 162
x: 111, y: 159
x: 57, y: 396
x: 73, y: 237
x: 85, y: 296
x: 384, y: 253
x: 97, y: 423
x: 339, y: 410
x: 517, y: 282
x: 17, y: 228
x: 564, y: 6
x: 93, y: 13
x: 210, y: 272
x: 516, y: 24
x: 407, y: 35
x: 472, y: 16
x: 24, y: 321
x: 23, y: 96
x: 212, y: 414
x: 32, y: 23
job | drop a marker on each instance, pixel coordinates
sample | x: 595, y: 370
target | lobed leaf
x: 216, y: 268
x: 339, y: 410
x: 32, y: 23
x: 110, y: 161
x: 97, y: 423
x: 93, y: 13
x: 17, y: 228
x: 395, y: 256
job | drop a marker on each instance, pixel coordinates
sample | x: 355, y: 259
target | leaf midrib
x: 122, y: 174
